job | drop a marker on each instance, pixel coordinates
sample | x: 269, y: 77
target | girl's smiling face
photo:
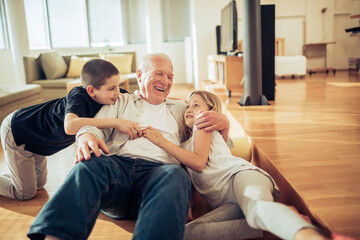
x: 195, y: 106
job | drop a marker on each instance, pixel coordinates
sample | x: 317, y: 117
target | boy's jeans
x: 122, y: 187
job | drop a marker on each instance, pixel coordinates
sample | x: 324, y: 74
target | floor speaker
x: 268, y: 50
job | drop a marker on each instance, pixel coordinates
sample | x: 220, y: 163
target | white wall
x: 7, y: 68
x: 345, y: 44
x: 205, y: 16
x: 294, y: 36
x: 290, y: 24
x: 15, y: 14
x: 319, y: 25
x: 155, y: 43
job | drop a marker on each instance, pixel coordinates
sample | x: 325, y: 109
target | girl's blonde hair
x: 213, y: 103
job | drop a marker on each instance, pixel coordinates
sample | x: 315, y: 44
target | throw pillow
x: 53, y: 65
x: 122, y: 62
x: 76, y: 65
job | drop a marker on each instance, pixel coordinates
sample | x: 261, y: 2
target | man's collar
x: 137, y: 97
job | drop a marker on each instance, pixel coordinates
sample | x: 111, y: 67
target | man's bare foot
x: 48, y: 237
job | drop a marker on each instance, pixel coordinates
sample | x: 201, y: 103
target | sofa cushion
x: 53, y: 83
x: 53, y: 65
x: 122, y: 62
x: 76, y: 65
x: 33, y: 69
x: 242, y: 147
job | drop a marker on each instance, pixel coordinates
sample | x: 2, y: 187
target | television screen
x: 228, y: 34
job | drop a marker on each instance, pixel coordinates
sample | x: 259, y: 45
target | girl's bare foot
x: 309, y: 234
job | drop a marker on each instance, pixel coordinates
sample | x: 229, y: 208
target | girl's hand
x: 129, y: 127
x: 153, y: 135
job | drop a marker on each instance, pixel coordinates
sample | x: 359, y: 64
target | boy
x: 30, y: 134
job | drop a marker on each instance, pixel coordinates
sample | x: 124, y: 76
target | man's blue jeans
x: 158, y: 195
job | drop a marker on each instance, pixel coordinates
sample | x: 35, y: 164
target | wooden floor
x: 310, y: 135
x: 308, y: 139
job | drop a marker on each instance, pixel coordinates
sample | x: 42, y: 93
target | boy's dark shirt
x: 41, y: 127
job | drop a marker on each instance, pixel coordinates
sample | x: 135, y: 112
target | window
x: 134, y: 19
x: 67, y: 23
x: 74, y: 23
x: 105, y: 23
x: 3, y: 30
x: 36, y: 22
x: 175, y: 20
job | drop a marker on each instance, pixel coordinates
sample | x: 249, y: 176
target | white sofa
x: 52, y: 71
x: 13, y: 97
x: 290, y: 66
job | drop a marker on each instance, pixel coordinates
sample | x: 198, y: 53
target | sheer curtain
x: 68, y: 23
x: 105, y: 23
x: 134, y: 21
x: 36, y: 24
x: 3, y: 35
x: 175, y: 19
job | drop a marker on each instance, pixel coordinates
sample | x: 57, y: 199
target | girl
x: 227, y: 183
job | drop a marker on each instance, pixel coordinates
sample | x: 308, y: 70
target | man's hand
x: 129, y: 127
x: 87, y: 142
x: 211, y: 120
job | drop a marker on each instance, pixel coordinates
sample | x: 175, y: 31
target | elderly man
x: 136, y: 178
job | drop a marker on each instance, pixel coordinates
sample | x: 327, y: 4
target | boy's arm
x: 73, y: 123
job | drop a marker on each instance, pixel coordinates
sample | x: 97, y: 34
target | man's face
x: 155, y: 82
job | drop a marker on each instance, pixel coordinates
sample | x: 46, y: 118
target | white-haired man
x: 136, y: 178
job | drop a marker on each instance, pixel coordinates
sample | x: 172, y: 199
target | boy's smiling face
x: 108, y: 93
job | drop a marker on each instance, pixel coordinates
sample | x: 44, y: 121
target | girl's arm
x: 73, y: 123
x: 195, y: 160
x: 211, y: 120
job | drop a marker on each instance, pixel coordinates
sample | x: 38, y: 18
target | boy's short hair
x: 96, y: 71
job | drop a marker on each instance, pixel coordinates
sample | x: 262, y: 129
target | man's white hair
x: 147, y: 61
